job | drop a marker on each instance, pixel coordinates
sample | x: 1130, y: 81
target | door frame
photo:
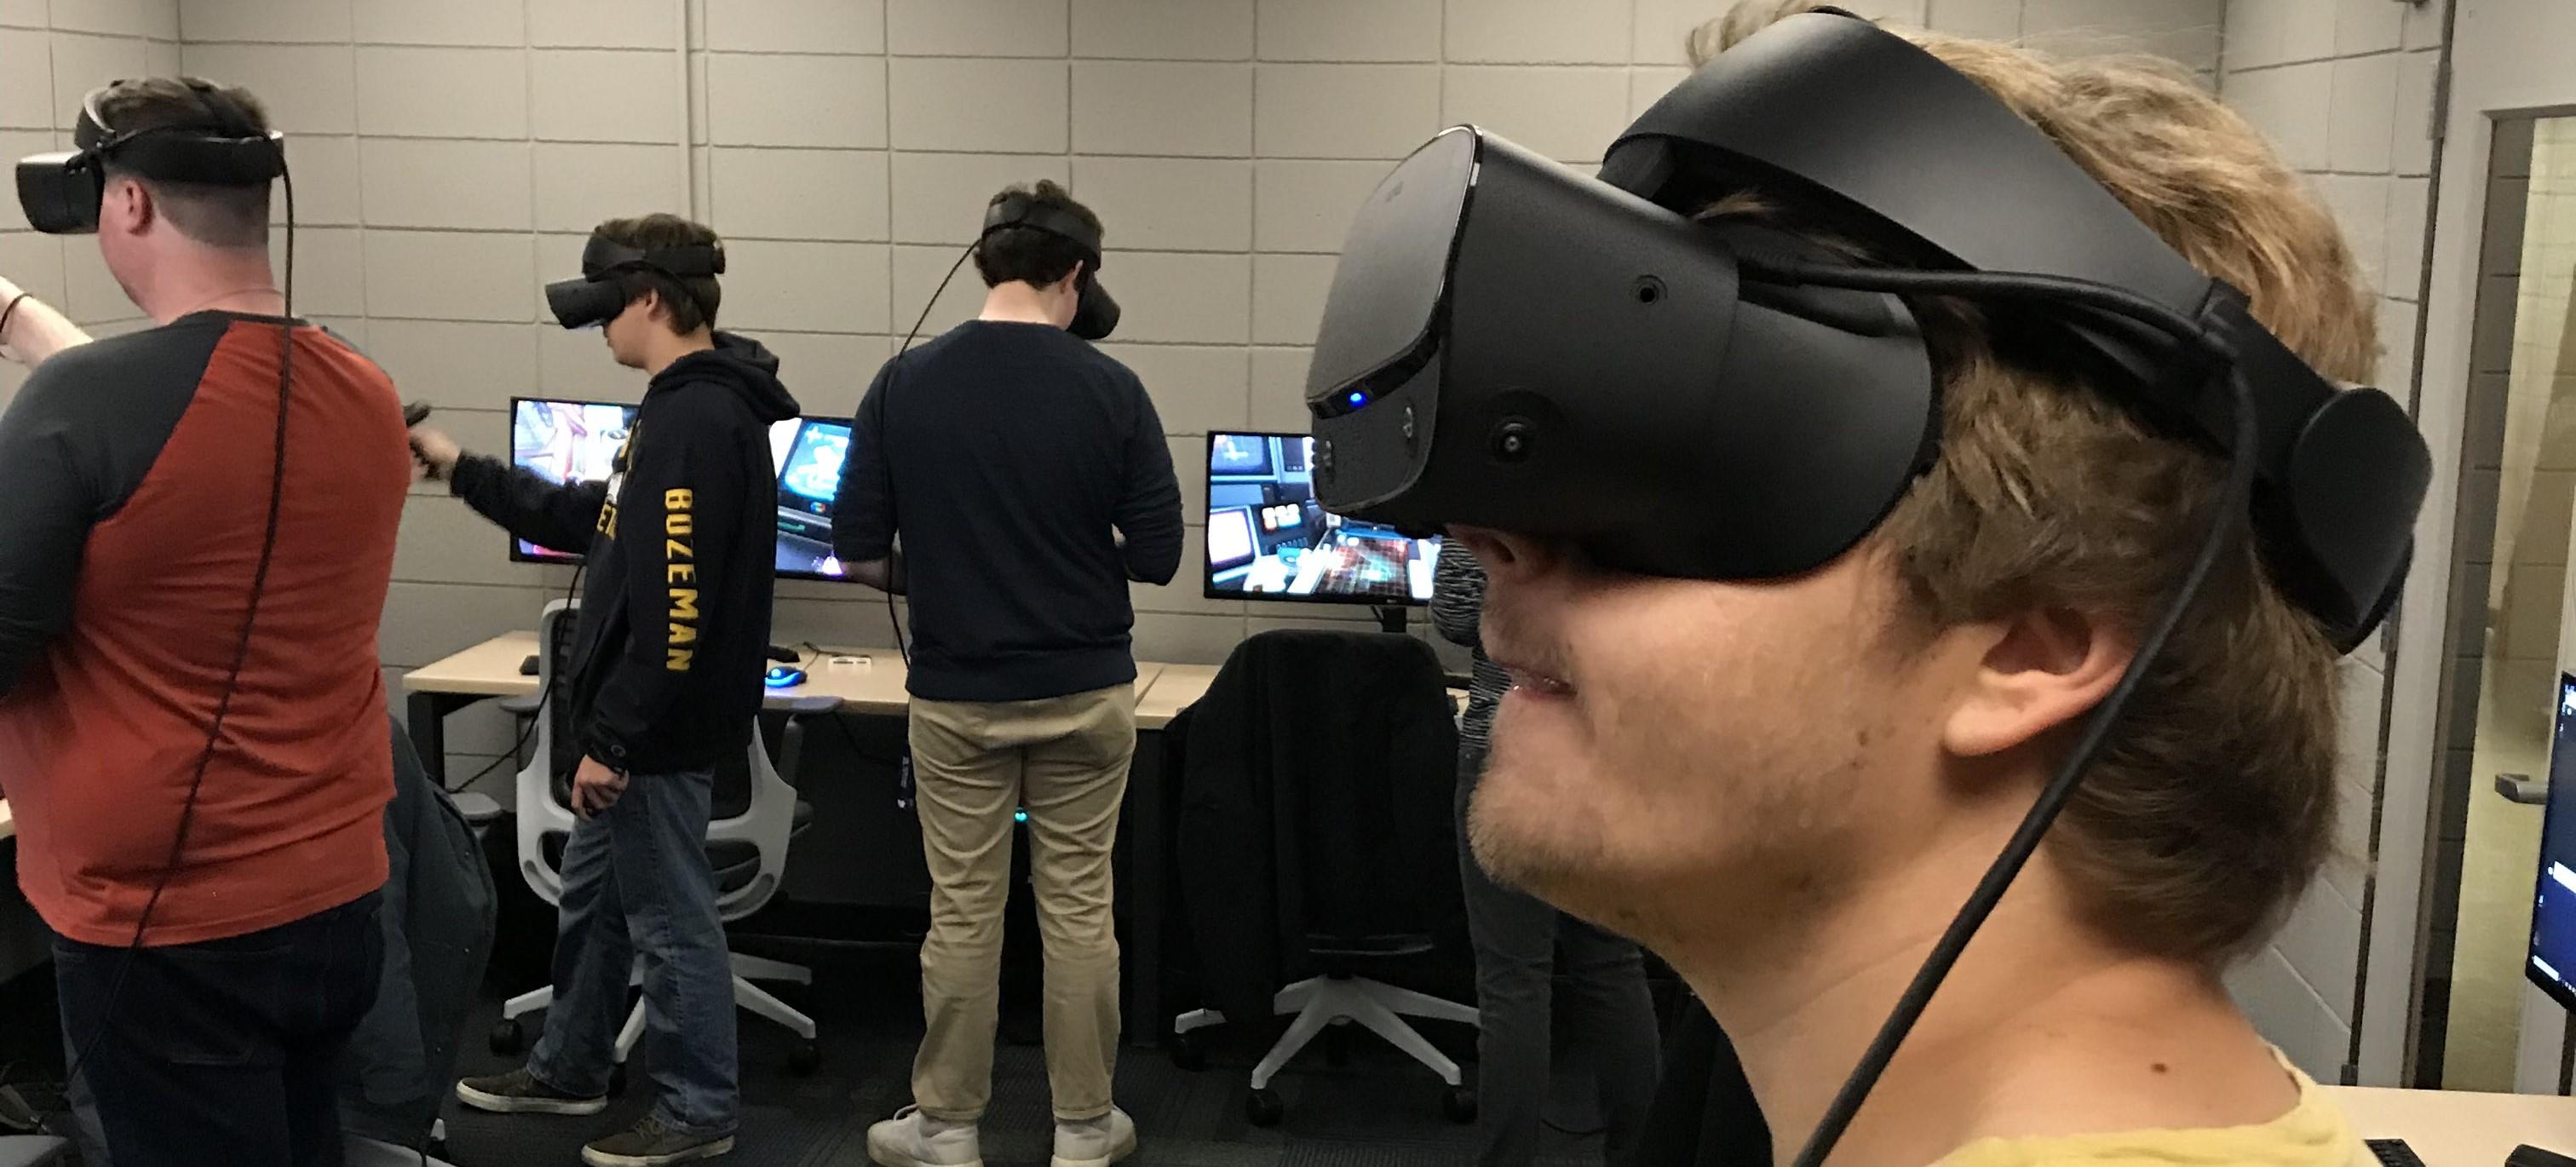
x: 2495, y: 66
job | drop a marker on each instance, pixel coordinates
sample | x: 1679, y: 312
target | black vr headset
x: 1514, y: 345
x: 1095, y: 315
x: 61, y: 191
x: 599, y: 295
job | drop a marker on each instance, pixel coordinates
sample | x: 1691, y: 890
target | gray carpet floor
x: 1374, y: 1108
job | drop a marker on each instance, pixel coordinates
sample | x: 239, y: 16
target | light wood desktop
x: 2455, y: 1128
x: 868, y: 682
x: 865, y: 680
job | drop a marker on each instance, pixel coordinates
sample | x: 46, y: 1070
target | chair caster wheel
x: 508, y: 1038
x: 1189, y: 1051
x: 805, y: 1058
x: 1263, y: 1107
x: 1459, y: 1103
x: 617, y: 1080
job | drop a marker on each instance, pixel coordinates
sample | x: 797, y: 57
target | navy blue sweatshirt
x: 1005, y: 454
x: 674, y: 629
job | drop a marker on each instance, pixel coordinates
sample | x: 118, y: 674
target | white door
x: 2509, y: 59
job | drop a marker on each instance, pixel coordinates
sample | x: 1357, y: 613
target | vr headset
x: 61, y: 191
x: 1095, y: 315
x: 599, y: 295
x: 1513, y: 345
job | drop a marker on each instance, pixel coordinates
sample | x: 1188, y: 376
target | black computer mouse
x: 784, y: 677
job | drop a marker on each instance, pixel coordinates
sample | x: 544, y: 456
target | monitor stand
x: 1391, y: 619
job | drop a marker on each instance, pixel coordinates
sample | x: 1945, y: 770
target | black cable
x: 2231, y: 511
x: 232, y: 678
x: 545, y: 692
x: 902, y: 649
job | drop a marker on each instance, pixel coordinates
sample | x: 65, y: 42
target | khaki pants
x: 1065, y: 760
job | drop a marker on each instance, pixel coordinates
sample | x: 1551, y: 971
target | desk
x: 1174, y: 689
x: 868, y: 682
x: 2450, y: 1128
x: 8, y: 825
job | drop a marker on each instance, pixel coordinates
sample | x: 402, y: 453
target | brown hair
x: 2212, y: 805
x: 1028, y: 254
x: 688, y: 304
x: 215, y: 215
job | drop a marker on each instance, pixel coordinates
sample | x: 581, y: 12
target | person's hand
x: 595, y: 788
x: 8, y: 290
x: 436, y: 452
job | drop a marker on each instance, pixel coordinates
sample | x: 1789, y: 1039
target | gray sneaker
x: 519, y: 1092
x: 650, y: 1143
x: 1098, y: 1142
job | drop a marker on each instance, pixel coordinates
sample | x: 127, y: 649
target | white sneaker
x: 1096, y: 1143
x: 914, y: 1139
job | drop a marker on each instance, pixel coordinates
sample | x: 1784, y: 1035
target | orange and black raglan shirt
x: 135, y: 479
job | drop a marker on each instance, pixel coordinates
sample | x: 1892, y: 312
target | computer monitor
x: 577, y: 441
x: 564, y: 441
x: 2552, y: 965
x: 809, y: 453
x: 1268, y: 539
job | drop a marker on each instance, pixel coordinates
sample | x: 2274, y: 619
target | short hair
x: 2211, y: 806
x: 691, y: 303
x: 1028, y: 254
x: 233, y: 216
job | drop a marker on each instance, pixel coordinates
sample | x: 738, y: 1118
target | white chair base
x: 746, y: 969
x: 1321, y: 1001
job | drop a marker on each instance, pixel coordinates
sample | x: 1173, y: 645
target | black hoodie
x: 666, y: 662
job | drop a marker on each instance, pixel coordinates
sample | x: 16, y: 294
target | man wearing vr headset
x: 1029, y: 477
x: 194, y: 555
x: 664, y: 682
x: 1780, y: 708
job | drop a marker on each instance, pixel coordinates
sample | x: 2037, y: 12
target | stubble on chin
x: 1568, y: 876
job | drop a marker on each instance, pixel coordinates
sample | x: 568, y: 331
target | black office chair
x: 1318, y: 846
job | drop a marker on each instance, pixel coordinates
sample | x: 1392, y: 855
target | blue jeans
x: 635, y: 878
x: 226, y: 1051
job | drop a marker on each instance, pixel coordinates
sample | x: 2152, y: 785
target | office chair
x: 33, y: 1151
x: 1324, y: 851
x: 757, y: 814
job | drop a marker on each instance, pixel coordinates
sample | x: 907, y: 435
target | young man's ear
x: 127, y: 206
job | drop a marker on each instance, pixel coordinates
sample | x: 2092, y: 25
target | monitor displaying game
x: 2552, y: 964
x: 1268, y: 539
x: 577, y: 441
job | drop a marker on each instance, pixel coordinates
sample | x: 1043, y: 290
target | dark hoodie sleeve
x: 1458, y: 594
x: 684, y: 489
x: 863, y: 508
x: 555, y: 515
x: 1149, y: 504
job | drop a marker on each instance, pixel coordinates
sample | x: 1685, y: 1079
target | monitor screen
x: 809, y: 455
x: 1268, y: 539
x: 564, y: 441
x: 2554, y: 905
x: 2553, y: 913
x: 577, y: 441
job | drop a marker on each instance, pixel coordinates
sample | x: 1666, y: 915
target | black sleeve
x: 51, y: 504
x: 863, y: 526
x: 683, y: 493
x: 1149, y: 504
x: 555, y: 515
x: 1458, y: 595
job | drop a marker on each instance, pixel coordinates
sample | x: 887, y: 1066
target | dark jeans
x: 225, y: 1052
x: 1525, y: 950
x: 636, y: 882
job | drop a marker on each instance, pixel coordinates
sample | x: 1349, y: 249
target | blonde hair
x: 2212, y: 806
